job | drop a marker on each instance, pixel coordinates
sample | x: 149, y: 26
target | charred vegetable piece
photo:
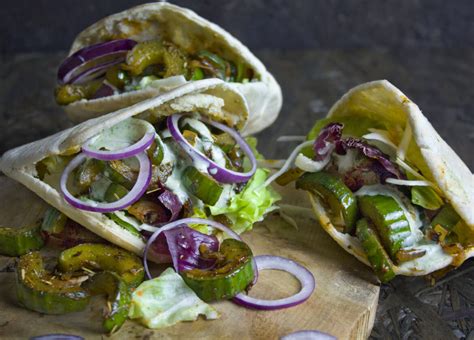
x: 389, y: 219
x: 219, y: 65
x: 190, y: 136
x: 119, y: 172
x: 404, y: 255
x: 118, y: 298
x: 232, y: 274
x: 70, y: 93
x: 446, y: 218
x: 117, y: 77
x: 125, y: 225
x: 153, y: 52
x: 289, y: 176
x: 19, y: 241
x: 115, y: 192
x: 338, y: 196
x: 149, y: 212
x: 197, y: 74
x: 376, y: 253
x: 43, y: 292
x: 156, y: 152
x: 88, y: 172
x: 224, y: 141
x: 54, y: 221
x: 201, y: 185
x: 105, y: 258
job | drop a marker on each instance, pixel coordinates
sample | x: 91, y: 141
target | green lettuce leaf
x: 425, y: 197
x: 250, y: 205
x: 167, y: 300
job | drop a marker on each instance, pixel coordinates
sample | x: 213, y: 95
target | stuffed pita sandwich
x: 385, y: 186
x: 147, y: 50
x: 123, y: 174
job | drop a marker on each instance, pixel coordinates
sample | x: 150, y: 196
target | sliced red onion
x: 139, y: 188
x: 186, y: 221
x: 93, y: 147
x: 57, y: 336
x: 219, y: 173
x: 184, y: 244
x: 71, y: 64
x: 308, y: 335
x: 280, y: 263
x: 93, y: 72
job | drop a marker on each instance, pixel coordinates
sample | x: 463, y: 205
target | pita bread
x: 382, y: 101
x: 211, y: 97
x: 191, y: 32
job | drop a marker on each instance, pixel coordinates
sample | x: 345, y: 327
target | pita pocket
x: 152, y: 48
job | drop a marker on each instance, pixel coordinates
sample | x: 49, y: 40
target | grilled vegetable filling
x: 102, y: 71
x: 371, y: 191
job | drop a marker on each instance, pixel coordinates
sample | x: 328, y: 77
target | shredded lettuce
x: 250, y: 205
x: 425, y: 196
x: 167, y: 300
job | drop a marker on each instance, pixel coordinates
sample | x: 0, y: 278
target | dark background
x: 317, y: 50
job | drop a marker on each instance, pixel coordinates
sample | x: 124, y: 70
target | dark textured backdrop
x: 50, y: 25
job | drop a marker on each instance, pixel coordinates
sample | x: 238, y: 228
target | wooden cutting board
x: 343, y: 304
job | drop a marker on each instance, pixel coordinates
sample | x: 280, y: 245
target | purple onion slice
x: 72, y: 64
x: 219, y: 173
x: 139, y: 188
x: 305, y: 277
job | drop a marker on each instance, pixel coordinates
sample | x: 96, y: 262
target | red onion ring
x: 219, y: 173
x: 57, y: 336
x: 308, y: 335
x: 95, y: 71
x: 191, y: 220
x: 139, y: 188
x: 280, y: 263
x: 127, y: 152
x: 88, y: 53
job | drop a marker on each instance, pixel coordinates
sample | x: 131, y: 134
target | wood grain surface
x: 343, y: 304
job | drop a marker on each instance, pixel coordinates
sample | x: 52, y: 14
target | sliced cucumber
x: 43, y: 292
x: 389, y: 219
x: 335, y: 193
x: 232, y: 274
x: 378, y: 257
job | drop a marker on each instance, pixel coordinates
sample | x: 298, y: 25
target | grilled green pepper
x: 156, y: 151
x: 219, y: 65
x: 201, y: 185
x: 124, y: 224
x: 376, y: 253
x: 19, y: 241
x: 231, y: 275
x: 88, y: 172
x: 43, y: 292
x: 103, y: 257
x: 335, y: 193
x: 389, y: 219
x: 119, y: 172
x: 118, y: 298
x: 447, y: 218
x: 115, y: 192
x: 70, y: 93
x: 153, y: 52
x: 117, y: 77
x: 54, y: 221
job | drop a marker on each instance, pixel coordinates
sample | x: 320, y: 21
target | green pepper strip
x: 42, y: 292
x: 156, y: 151
x: 54, y: 221
x: 19, y: 241
x: 232, y: 274
x: 118, y: 298
x: 201, y: 185
x: 103, y: 257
